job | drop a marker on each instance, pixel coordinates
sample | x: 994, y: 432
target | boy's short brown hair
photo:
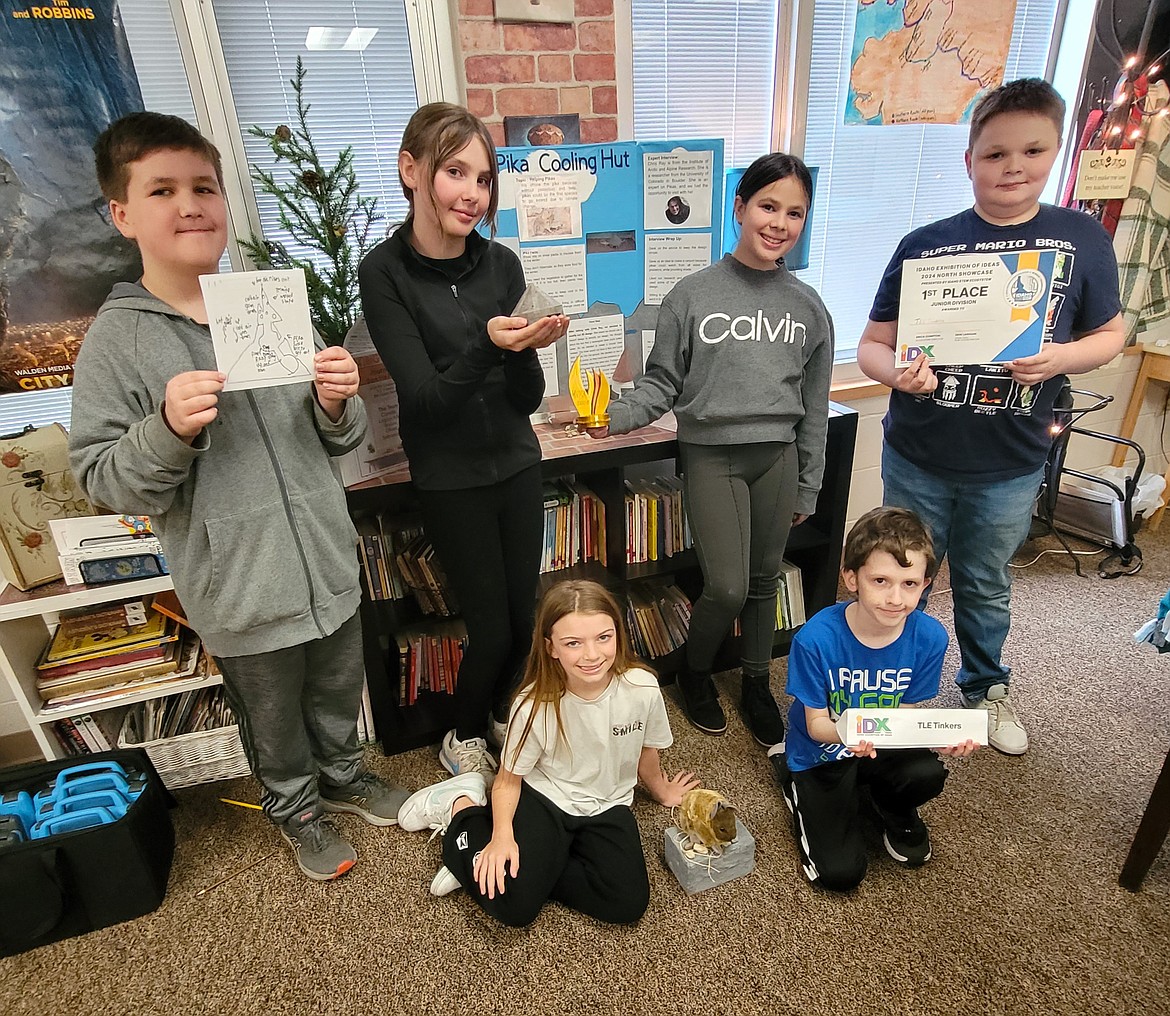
x: 138, y: 135
x: 897, y: 531
x: 1025, y: 95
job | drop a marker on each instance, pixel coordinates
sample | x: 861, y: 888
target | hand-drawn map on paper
x: 260, y: 327
x: 926, y: 61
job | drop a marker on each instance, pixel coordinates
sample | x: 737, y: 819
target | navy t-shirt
x: 979, y: 423
x: 828, y: 668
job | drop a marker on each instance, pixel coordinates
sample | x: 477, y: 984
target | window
x: 369, y: 66
x: 917, y: 170
x: 709, y: 68
x: 705, y: 69
x: 359, y: 81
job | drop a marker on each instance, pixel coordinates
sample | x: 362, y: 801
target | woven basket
x: 200, y: 757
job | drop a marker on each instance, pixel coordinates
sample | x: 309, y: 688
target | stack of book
x: 429, y: 660
x: 423, y: 575
x: 172, y: 715
x: 83, y: 735
x: 656, y: 523
x: 108, y: 651
x: 790, y: 612
x: 574, y: 525
x: 382, y: 540
x: 658, y: 617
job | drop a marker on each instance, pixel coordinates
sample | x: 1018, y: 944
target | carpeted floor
x: 1019, y: 912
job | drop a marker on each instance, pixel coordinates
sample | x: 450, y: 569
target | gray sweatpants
x: 740, y: 500
x: 297, y: 710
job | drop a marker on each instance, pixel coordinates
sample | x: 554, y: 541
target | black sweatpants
x: 591, y: 864
x: 488, y: 540
x: 827, y: 802
x: 740, y: 501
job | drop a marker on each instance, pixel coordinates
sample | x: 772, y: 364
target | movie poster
x: 66, y: 74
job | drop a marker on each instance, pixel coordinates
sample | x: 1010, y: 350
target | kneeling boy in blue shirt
x: 878, y: 652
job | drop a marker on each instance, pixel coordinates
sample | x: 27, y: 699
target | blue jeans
x: 979, y: 526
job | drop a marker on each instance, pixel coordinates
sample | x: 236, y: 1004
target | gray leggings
x: 740, y: 500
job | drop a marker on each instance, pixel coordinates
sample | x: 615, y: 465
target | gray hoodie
x: 742, y: 357
x: 251, y: 516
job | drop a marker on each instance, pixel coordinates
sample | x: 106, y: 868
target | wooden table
x: 1154, y: 367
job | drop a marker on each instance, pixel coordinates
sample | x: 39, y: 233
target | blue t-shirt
x: 829, y: 669
x: 979, y: 424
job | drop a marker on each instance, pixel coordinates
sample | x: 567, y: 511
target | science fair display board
x: 606, y: 231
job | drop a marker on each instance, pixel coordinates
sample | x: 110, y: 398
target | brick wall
x: 530, y: 69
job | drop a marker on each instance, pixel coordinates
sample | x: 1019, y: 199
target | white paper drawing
x: 260, y: 327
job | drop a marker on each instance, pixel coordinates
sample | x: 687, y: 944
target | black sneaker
x: 783, y: 775
x: 760, y: 711
x: 700, y: 701
x: 906, y: 838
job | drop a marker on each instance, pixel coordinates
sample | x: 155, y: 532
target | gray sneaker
x: 322, y: 853
x: 1005, y: 732
x: 374, y: 799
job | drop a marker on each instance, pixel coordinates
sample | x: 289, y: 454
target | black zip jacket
x: 463, y: 402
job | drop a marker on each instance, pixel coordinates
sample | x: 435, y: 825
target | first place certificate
x: 974, y: 308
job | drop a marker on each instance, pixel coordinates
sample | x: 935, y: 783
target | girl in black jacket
x: 437, y: 299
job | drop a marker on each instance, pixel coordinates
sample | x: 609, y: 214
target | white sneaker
x: 470, y: 756
x: 430, y: 808
x: 1005, y: 732
x: 497, y: 731
x: 444, y: 883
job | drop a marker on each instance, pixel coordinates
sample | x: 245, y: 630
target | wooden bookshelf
x: 601, y: 465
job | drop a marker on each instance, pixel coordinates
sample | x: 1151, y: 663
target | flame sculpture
x: 592, y: 401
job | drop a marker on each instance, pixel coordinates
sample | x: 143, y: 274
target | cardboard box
x: 36, y: 487
x: 912, y: 728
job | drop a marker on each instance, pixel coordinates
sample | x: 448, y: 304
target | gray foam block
x: 703, y: 871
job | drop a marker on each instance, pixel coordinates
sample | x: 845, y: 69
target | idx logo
x: 865, y: 725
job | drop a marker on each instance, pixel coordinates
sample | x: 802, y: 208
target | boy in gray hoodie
x: 239, y: 489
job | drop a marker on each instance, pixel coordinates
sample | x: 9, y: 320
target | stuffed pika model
x: 706, y: 821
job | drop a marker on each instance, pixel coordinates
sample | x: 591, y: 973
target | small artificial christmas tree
x: 322, y: 210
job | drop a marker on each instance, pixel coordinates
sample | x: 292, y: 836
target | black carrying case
x: 79, y: 881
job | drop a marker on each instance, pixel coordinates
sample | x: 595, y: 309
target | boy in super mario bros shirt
x: 875, y: 652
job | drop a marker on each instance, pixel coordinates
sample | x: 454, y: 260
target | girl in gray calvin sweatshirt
x: 743, y: 354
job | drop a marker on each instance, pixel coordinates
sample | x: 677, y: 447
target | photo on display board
x: 542, y: 131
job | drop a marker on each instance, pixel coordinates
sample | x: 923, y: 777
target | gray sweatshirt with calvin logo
x: 251, y: 517
x: 742, y: 356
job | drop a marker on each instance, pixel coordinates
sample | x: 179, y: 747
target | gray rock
x: 703, y: 871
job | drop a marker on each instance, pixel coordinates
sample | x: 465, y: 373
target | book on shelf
x: 69, y: 737
x: 790, y: 609
x: 78, y: 640
x: 658, y: 616
x: 428, y: 660
x: 574, y: 525
x: 100, y: 690
x: 656, y: 524
x: 168, y: 716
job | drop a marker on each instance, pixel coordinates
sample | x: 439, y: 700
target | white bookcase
x: 26, y: 621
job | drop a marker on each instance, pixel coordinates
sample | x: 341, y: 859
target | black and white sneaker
x: 783, y: 775
x: 906, y: 838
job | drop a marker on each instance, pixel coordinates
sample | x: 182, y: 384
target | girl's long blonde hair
x: 544, y: 677
x: 437, y: 131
